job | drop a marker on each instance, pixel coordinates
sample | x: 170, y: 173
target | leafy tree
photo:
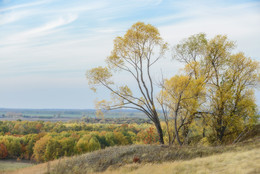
x: 148, y: 136
x: 13, y: 146
x: 3, y: 127
x: 120, y: 139
x: 30, y: 144
x: 102, y: 140
x: 135, y: 53
x: 181, y: 95
x: 93, y: 144
x: 230, y: 80
x: 40, y: 147
x: 88, y: 143
x: 110, y: 138
x: 68, y: 146
x: 53, y: 150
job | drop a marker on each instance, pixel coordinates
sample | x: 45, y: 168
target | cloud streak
x: 24, y: 37
x: 26, y: 5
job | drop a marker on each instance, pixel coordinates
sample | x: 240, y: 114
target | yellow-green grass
x: 115, y: 157
x: 228, y: 163
x: 42, y: 168
x: 12, y: 165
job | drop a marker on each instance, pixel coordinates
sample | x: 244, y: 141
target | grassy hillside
x: 241, y: 158
x: 228, y: 163
x: 115, y: 157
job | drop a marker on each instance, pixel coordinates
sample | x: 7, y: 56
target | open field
x: 33, y: 169
x: 11, y: 165
x: 62, y: 114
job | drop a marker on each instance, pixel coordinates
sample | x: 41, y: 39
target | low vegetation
x: 240, y: 162
x: 115, y: 157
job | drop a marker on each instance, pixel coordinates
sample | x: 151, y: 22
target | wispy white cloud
x: 82, y: 8
x: 64, y: 20
x: 48, y: 28
x: 239, y: 22
x: 10, y: 17
x: 15, y: 7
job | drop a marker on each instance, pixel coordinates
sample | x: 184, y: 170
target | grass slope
x: 228, y: 163
x: 116, y: 157
x: 166, y: 159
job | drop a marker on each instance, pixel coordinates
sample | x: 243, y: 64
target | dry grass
x: 43, y: 168
x: 9, y: 165
x: 228, y: 163
x: 116, y: 157
x: 243, y: 158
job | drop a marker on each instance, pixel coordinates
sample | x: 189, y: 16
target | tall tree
x: 182, y: 95
x: 135, y: 53
x: 230, y: 80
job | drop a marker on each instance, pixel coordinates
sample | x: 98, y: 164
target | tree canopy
x: 227, y: 81
x: 135, y: 53
x: 215, y: 87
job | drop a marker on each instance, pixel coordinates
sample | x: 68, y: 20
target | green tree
x: 88, y: 143
x: 53, y: 150
x: 135, y: 53
x: 13, y: 146
x: 230, y: 81
x: 30, y: 144
x: 68, y: 146
x: 183, y: 95
x: 40, y: 147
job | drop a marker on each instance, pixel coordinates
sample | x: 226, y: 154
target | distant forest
x: 66, y: 113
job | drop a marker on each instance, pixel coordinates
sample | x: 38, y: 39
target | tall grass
x: 115, y: 157
x: 228, y: 163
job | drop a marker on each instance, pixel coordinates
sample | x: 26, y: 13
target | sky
x: 46, y: 46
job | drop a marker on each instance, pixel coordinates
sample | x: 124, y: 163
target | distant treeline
x: 65, y: 113
x: 43, y: 141
x: 126, y: 120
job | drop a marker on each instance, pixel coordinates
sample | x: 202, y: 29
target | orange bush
x: 3, y: 151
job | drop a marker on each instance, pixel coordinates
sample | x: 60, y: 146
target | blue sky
x: 46, y: 46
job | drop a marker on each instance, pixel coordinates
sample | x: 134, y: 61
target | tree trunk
x: 221, y: 133
x: 159, y: 129
x: 220, y: 129
x: 175, y: 124
x: 176, y: 131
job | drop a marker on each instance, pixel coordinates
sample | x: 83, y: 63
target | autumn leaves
x: 214, y: 90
